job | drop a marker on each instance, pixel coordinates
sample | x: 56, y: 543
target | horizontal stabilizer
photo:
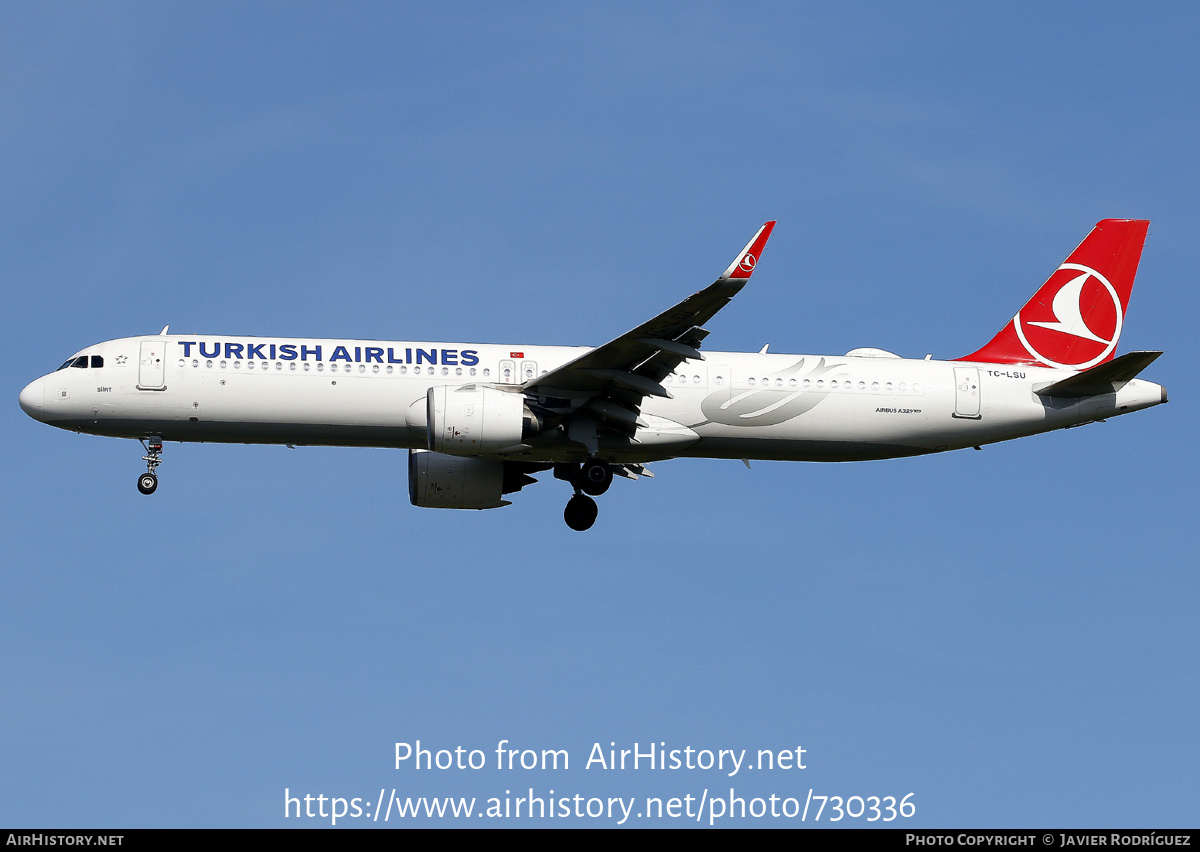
x: 1103, y: 378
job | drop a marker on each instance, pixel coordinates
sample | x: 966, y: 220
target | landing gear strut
x: 591, y: 478
x: 148, y: 481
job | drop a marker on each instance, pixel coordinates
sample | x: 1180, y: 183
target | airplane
x: 479, y: 420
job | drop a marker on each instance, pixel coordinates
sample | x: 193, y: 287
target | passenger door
x: 152, y: 368
x: 966, y: 393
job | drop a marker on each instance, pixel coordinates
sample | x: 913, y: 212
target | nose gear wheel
x: 148, y: 481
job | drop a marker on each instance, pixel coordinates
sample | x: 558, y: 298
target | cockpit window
x: 97, y: 361
x: 65, y: 364
x: 81, y: 361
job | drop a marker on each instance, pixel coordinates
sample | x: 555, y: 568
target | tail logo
x: 747, y: 264
x: 1085, y: 307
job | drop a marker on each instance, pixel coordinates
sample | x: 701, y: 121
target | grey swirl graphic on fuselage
x: 769, y: 406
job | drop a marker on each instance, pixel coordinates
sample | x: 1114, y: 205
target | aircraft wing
x: 613, y: 379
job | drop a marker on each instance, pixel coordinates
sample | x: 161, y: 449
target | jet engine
x: 474, y: 420
x: 439, y: 481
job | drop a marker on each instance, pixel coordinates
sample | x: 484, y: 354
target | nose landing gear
x: 148, y: 481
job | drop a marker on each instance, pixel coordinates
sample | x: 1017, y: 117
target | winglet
x: 743, y: 265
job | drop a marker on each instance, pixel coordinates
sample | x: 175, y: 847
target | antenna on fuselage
x: 164, y: 331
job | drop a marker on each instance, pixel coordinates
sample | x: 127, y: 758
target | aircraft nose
x: 33, y: 398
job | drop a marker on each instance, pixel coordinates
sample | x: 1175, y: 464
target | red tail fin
x: 1074, y: 321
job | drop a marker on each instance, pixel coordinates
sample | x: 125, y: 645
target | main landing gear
x: 591, y: 479
x: 595, y: 477
x: 581, y: 512
x: 148, y: 481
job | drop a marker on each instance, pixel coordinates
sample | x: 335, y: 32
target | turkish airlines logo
x: 747, y: 264
x: 1081, y: 325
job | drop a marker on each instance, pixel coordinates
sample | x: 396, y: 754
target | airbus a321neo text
x: 479, y: 419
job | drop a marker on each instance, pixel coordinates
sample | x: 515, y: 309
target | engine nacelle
x: 474, y: 420
x: 438, y: 481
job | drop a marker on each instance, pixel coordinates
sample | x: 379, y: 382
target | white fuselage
x: 730, y: 405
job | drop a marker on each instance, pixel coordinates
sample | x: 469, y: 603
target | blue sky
x: 1010, y: 635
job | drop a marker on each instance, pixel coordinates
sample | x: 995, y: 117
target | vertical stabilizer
x: 1074, y: 321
